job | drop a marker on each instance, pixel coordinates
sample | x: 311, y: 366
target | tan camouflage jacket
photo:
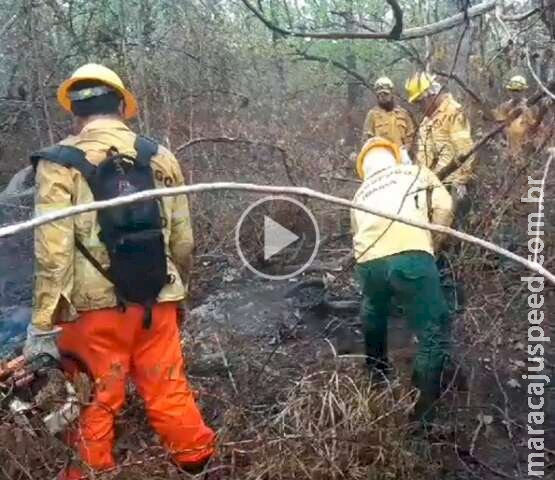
x: 396, y: 126
x: 67, y: 283
x: 442, y: 137
x: 519, y: 130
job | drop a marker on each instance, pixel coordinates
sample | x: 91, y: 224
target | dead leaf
x: 485, y: 419
x: 514, y: 383
x: 518, y: 363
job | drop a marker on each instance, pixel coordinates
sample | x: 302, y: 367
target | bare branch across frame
x: 267, y: 189
x: 397, y: 32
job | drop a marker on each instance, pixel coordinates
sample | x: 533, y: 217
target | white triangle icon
x: 276, y: 237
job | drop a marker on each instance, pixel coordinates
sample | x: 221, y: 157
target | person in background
x: 397, y: 260
x: 443, y: 136
x: 521, y: 131
x: 77, y: 308
x: 388, y: 120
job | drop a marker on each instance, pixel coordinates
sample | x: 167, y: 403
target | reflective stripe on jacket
x: 443, y: 137
x: 405, y: 190
x: 66, y: 282
x: 396, y: 126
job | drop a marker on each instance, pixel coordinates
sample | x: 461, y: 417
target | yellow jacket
x: 518, y: 131
x: 443, y: 137
x: 409, y: 191
x: 396, y: 126
x: 67, y: 283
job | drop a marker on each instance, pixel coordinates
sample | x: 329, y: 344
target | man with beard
x: 387, y: 120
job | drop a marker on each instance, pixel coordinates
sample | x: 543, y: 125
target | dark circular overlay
x: 277, y: 237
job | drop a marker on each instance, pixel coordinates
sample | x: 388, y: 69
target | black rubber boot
x: 429, y: 386
x: 424, y: 410
x: 379, y: 370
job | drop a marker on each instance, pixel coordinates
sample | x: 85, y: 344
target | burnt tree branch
x: 335, y: 63
x: 394, y: 34
x: 245, y: 141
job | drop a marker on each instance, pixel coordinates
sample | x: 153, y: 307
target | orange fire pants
x: 114, y: 345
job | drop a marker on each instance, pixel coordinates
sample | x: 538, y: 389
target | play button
x: 277, y: 237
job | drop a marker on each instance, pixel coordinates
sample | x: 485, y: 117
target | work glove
x: 41, y: 341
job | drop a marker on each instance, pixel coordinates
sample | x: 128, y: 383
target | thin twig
x: 246, y: 141
x: 535, y: 75
x: 475, y: 434
x: 461, y: 84
x: 8, y: 25
x: 521, y: 16
x: 226, y: 364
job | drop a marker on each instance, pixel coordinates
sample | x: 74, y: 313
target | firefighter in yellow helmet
x: 80, y: 306
x: 397, y: 260
x: 443, y: 135
x: 519, y: 132
x: 388, y: 120
x: 517, y: 85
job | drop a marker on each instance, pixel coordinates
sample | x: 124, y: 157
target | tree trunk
x: 461, y: 67
x: 279, y: 65
x: 351, y: 135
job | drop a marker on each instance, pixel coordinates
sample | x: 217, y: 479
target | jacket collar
x: 395, y: 109
x: 447, y: 100
x: 108, y: 123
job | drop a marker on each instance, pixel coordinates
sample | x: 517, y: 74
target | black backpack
x: 132, y: 233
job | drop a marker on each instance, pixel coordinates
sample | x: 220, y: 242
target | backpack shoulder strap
x: 66, y: 156
x: 146, y: 149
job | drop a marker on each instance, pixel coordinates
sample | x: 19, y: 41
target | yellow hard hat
x: 104, y: 75
x: 383, y: 84
x: 373, y: 143
x: 417, y: 85
x: 517, y: 84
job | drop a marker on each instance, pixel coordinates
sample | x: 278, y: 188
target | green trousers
x: 412, y: 279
